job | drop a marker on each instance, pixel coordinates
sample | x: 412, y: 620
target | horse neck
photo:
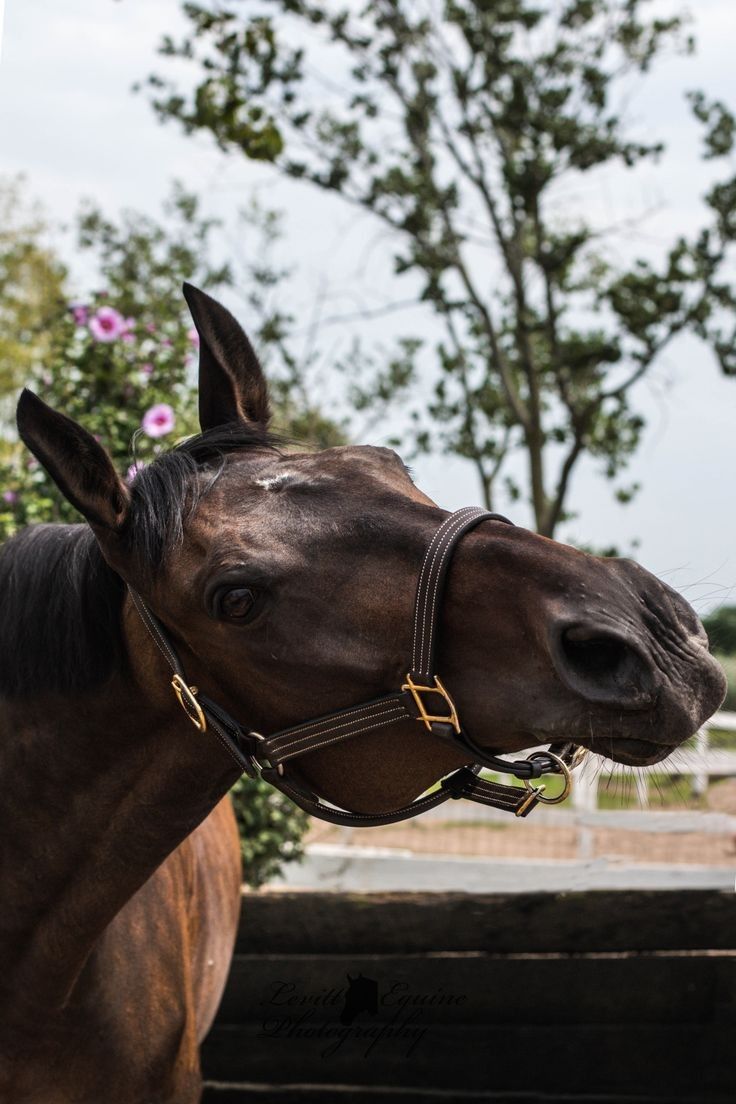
x: 97, y: 791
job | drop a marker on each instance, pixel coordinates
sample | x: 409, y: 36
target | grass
x: 665, y: 791
x: 721, y: 739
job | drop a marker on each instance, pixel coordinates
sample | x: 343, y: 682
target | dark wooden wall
x: 595, y: 996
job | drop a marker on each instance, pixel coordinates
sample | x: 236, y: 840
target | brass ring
x: 564, y: 770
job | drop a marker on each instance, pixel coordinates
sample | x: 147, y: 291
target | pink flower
x: 193, y: 337
x: 158, y: 420
x: 80, y: 313
x: 150, y: 326
x: 146, y: 370
x: 107, y: 324
x: 10, y: 497
x: 133, y: 470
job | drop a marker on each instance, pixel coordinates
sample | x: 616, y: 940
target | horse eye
x: 235, y: 603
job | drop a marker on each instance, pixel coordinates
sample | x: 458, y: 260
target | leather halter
x: 422, y: 698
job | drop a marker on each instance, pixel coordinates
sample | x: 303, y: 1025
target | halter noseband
x: 422, y: 698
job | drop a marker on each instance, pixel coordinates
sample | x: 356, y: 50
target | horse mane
x: 60, y: 629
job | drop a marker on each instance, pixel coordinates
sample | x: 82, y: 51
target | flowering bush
x: 127, y: 378
x: 122, y: 362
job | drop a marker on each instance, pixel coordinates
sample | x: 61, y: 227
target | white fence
x: 604, y: 849
x: 700, y: 762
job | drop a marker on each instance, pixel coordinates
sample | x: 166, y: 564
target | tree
x: 31, y: 286
x: 721, y: 628
x: 458, y: 126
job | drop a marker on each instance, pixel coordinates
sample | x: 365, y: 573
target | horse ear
x: 77, y: 463
x: 350, y: 979
x: 232, y: 387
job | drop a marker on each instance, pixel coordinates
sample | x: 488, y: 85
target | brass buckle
x: 188, y: 702
x: 533, y: 795
x: 430, y: 718
x: 539, y: 790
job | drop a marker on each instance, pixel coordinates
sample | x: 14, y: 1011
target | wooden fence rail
x: 595, y: 996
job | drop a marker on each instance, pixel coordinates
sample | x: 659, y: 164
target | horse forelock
x: 165, y: 492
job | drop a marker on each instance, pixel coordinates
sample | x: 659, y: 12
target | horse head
x: 360, y: 996
x: 287, y: 579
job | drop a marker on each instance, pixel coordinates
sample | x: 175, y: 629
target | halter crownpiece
x: 422, y: 698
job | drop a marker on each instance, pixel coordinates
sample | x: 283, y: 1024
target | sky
x: 70, y: 122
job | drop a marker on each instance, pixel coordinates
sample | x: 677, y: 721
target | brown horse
x: 286, y: 580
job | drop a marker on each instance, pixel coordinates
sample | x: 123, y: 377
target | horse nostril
x: 602, y: 666
x: 592, y: 653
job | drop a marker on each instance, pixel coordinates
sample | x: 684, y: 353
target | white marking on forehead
x: 269, y: 482
x: 272, y: 482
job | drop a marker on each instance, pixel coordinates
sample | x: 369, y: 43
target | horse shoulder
x: 157, y: 973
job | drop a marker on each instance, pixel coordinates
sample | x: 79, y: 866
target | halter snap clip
x: 564, y: 770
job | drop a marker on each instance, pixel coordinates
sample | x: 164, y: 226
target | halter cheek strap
x: 421, y: 699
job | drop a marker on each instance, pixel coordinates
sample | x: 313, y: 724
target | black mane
x: 60, y: 624
x: 60, y: 629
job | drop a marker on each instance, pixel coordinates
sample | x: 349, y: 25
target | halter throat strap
x: 422, y: 699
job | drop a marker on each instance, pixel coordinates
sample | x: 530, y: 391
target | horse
x: 285, y: 579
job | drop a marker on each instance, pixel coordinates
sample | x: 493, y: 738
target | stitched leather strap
x: 431, y: 585
x: 461, y: 783
x: 333, y: 727
x: 239, y: 744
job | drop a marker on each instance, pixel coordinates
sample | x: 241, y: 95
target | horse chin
x: 630, y: 752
